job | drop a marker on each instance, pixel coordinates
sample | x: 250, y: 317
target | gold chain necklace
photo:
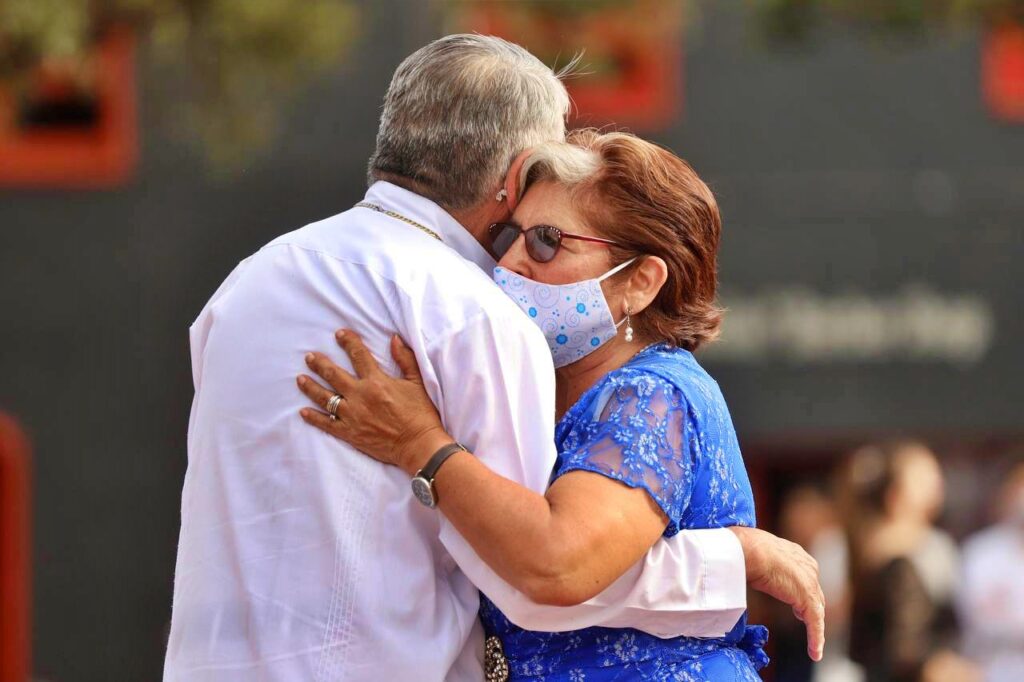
x: 399, y: 216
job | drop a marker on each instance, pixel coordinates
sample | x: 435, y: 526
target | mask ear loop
x: 629, y: 311
x: 616, y: 269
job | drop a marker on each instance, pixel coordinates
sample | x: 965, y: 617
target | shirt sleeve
x: 200, y: 328
x: 500, y: 404
x: 639, y: 439
x: 198, y: 332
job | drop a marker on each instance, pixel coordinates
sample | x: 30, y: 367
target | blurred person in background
x: 903, y: 569
x: 299, y: 559
x: 991, y: 598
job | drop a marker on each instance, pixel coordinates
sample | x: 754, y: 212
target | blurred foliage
x: 555, y: 7
x: 794, y: 20
x: 584, y: 35
x: 241, y: 58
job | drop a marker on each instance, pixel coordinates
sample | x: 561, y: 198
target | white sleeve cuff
x: 693, y: 584
x: 724, y: 589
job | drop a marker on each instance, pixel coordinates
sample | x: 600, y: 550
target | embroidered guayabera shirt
x: 302, y: 559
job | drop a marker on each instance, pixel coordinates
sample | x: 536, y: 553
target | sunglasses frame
x: 562, y: 234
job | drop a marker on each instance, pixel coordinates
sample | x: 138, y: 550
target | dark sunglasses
x: 542, y: 241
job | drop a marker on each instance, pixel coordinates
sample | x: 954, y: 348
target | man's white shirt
x: 302, y: 559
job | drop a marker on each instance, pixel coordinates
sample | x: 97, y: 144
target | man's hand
x: 783, y: 570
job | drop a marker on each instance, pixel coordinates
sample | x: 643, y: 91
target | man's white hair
x: 562, y: 162
x: 459, y: 110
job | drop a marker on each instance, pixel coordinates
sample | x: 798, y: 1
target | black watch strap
x: 438, y: 458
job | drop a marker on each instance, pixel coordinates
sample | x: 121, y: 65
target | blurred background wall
x: 874, y: 235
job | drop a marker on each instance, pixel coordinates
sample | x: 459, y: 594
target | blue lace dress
x: 659, y: 423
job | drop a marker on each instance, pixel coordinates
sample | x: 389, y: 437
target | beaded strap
x: 399, y: 216
x: 495, y: 663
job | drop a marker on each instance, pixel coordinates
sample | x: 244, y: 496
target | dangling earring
x: 501, y: 195
x: 629, y: 326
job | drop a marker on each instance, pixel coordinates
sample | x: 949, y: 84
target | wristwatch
x: 423, y: 481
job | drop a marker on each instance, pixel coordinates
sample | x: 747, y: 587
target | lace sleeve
x: 639, y: 438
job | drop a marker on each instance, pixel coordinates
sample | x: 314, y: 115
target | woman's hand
x: 392, y: 420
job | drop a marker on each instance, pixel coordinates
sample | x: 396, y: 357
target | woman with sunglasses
x: 612, y: 251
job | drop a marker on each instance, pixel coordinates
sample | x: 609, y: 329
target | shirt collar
x: 422, y: 210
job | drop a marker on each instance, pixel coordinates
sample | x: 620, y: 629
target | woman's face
x: 547, y: 203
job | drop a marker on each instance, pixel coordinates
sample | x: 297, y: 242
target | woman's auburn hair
x: 653, y: 203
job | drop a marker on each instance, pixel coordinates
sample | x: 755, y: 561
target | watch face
x: 423, y: 491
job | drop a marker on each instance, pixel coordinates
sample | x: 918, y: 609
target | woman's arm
x: 560, y: 549
x: 685, y: 585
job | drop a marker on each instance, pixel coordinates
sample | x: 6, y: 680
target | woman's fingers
x: 362, y: 360
x: 340, y: 380
x: 406, y: 359
x: 314, y: 391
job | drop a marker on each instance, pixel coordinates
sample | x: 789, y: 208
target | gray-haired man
x: 300, y: 560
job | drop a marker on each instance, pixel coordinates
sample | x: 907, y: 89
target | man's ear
x: 511, y: 187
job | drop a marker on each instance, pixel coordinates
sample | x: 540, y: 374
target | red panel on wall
x: 1002, y: 78
x: 15, y: 548
x: 75, y: 126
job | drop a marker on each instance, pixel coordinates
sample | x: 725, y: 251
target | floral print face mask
x: 574, y: 317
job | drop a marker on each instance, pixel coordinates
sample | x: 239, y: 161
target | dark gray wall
x: 816, y: 156
x: 853, y: 167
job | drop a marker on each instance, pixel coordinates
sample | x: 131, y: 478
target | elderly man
x: 299, y: 560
